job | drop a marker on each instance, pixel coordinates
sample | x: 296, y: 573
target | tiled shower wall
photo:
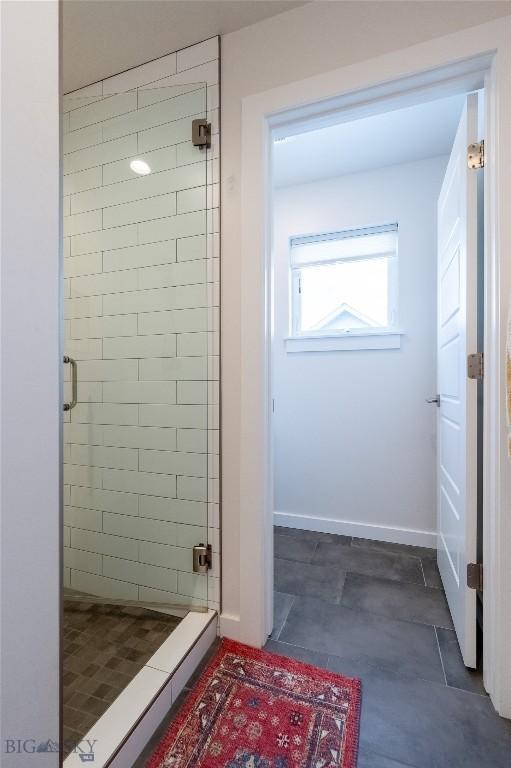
x: 141, y: 446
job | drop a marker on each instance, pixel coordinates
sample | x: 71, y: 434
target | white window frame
x: 388, y: 337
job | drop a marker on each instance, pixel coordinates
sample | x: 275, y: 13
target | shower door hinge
x: 475, y: 155
x: 475, y: 365
x: 201, y: 133
x: 475, y: 576
x: 202, y: 558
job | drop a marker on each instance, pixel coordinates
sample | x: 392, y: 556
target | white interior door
x: 457, y: 414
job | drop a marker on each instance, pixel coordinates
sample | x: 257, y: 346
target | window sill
x: 345, y: 342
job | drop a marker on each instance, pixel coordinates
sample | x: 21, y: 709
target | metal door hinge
x: 475, y: 576
x: 475, y: 155
x: 475, y: 365
x: 201, y: 133
x: 201, y: 558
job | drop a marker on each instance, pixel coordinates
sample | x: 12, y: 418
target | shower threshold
x: 177, y: 609
x: 124, y: 664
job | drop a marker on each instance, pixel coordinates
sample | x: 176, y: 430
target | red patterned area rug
x: 253, y: 709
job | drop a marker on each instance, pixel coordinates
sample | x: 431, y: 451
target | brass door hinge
x: 475, y: 576
x: 475, y: 365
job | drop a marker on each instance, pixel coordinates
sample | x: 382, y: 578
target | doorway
x: 373, y: 304
x: 375, y: 310
x: 478, y: 60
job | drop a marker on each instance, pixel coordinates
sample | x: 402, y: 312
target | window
x: 344, y: 285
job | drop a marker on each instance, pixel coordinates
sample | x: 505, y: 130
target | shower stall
x: 141, y: 379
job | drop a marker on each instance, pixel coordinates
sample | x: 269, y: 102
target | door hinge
x: 201, y: 133
x: 475, y: 576
x: 475, y: 155
x: 475, y: 365
x: 202, y: 558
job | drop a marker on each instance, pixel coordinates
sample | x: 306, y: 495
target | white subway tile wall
x: 141, y: 318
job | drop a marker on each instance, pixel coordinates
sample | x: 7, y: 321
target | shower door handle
x: 74, y: 383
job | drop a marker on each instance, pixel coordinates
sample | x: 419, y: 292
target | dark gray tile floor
x: 377, y: 611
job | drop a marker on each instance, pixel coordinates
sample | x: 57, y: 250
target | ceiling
x: 103, y: 37
x: 400, y: 136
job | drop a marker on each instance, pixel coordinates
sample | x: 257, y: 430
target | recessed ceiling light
x: 140, y: 167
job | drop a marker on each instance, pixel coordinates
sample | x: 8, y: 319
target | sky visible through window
x: 345, y: 295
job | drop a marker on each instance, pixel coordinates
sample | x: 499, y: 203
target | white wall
x: 354, y: 440
x: 284, y: 49
x: 141, y: 308
x: 30, y: 370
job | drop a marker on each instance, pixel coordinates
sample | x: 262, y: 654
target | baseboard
x: 361, y: 530
x: 229, y: 626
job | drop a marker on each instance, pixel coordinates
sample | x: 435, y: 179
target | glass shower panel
x: 138, y: 306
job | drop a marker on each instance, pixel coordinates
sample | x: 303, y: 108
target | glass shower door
x: 139, y: 310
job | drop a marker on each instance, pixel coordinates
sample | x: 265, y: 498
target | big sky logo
x: 84, y: 749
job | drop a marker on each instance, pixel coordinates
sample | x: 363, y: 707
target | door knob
x: 434, y: 400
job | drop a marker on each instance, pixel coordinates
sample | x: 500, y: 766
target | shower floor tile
x: 104, y: 647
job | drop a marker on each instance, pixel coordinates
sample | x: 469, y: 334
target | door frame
x: 442, y: 63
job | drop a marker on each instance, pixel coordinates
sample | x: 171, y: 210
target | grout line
x: 286, y: 618
x: 376, y: 664
x: 301, y: 647
x: 483, y: 695
x: 195, y: 88
x: 440, y: 654
x: 422, y: 570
